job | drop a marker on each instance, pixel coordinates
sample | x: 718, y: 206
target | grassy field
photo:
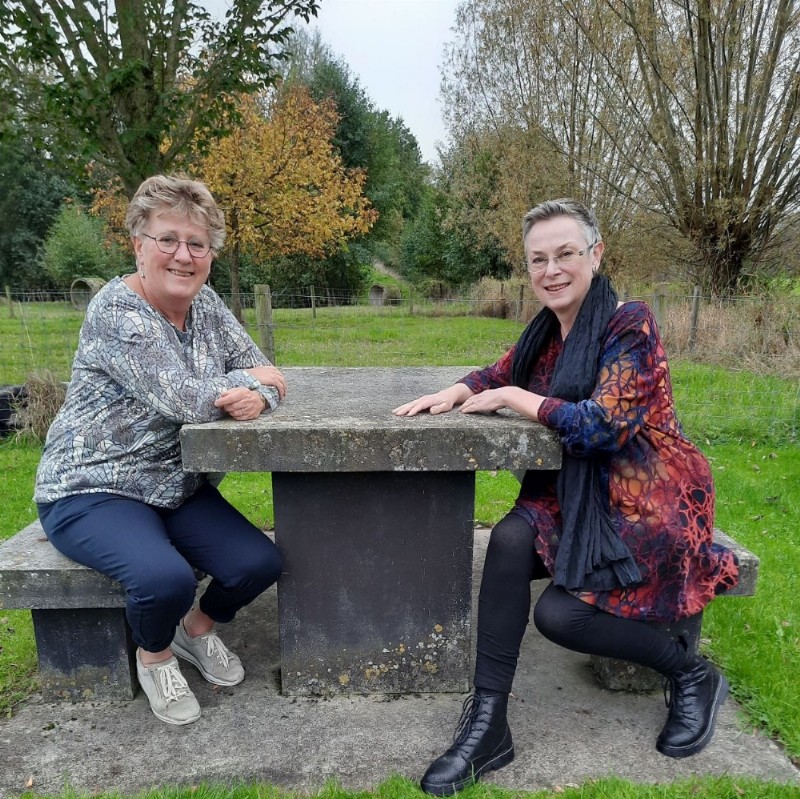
x: 757, y: 470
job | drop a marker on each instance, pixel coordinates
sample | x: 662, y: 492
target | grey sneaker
x: 171, y: 699
x: 214, y: 660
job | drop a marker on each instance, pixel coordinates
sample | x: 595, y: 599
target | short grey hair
x: 565, y: 206
x: 180, y: 196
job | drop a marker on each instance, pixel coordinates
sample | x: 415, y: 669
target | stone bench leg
x: 85, y: 654
x: 376, y: 591
x: 620, y: 675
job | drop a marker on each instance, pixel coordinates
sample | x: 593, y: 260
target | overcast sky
x: 395, y: 48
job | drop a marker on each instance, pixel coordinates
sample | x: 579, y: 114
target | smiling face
x: 171, y: 282
x: 559, y: 286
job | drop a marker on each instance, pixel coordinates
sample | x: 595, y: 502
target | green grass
x: 40, y: 335
x: 388, y: 336
x: 719, y: 405
x: 397, y: 787
x: 18, y: 676
x: 757, y: 639
x: 756, y: 464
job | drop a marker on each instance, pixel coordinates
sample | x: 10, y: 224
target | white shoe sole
x: 176, y: 722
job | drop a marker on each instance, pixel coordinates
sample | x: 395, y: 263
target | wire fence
x: 735, y: 364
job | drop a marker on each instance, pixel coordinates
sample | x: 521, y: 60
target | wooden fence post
x: 659, y: 301
x: 520, y: 301
x: 266, y: 335
x: 694, y: 318
x: 313, y: 304
x: 411, y: 302
x: 10, y: 304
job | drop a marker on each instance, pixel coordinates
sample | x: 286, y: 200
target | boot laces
x: 680, y: 690
x: 468, y: 713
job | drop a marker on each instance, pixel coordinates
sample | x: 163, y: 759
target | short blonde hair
x: 180, y: 196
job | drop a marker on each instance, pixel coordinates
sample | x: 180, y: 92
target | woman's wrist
x: 524, y: 402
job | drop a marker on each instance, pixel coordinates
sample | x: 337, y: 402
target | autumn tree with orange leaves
x: 282, y: 185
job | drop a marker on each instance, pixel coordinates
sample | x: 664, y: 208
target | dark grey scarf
x: 591, y: 556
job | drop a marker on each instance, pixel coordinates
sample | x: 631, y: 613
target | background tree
x: 136, y: 85
x: 686, y: 110
x: 520, y: 78
x: 441, y: 252
x: 31, y: 191
x: 367, y: 138
x: 75, y: 247
x: 719, y: 110
x: 282, y: 186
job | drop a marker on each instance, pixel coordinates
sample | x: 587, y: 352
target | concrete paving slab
x: 566, y: 730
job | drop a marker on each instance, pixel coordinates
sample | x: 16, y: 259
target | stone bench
x: 83, y: 642
x: 619, y: 675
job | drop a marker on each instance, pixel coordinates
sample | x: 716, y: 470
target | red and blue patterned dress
x: 660, y: 485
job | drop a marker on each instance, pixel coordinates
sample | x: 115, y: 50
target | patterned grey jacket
x: 135, y: 380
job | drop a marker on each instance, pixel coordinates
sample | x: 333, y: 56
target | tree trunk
x: 722, y: 260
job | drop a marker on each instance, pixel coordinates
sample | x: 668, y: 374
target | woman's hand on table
x: 242, y: 404
x: 269, y: 376
x: 517, y: 399
x: 440, y: 402
x: 493, y: 399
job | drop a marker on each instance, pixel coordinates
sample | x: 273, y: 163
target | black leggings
x: 504, y: 608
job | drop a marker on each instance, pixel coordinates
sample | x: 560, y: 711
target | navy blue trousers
x: 153, y: 553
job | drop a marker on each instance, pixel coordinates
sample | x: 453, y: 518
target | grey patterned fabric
x: 135, y: 380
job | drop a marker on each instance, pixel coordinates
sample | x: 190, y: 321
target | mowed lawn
x: 746, y: 425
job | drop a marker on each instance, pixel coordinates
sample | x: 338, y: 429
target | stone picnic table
x: 374, y: 518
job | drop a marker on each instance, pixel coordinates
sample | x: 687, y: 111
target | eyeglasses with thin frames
x: 169, y: 245
x: 566, y: 258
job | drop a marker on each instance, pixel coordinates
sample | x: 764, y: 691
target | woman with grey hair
x: 624, y: 530
x: 159, y: 349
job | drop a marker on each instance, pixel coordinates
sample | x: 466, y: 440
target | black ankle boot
x: 482, y: 743
x: 693, y: 697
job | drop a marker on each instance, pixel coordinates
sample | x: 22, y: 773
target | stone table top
x: 339, y: 419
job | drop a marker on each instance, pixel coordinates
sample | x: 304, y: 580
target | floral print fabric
x: 135, y: 380
x: 660, y: 485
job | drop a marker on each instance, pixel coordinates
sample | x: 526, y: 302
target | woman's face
x: 561, y: 286
x: 171, y: 280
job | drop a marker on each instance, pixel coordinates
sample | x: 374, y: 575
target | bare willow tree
x: 689, y: 109
x: 718, y: 101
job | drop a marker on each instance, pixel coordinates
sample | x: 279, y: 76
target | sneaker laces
x: 215, y: 648
x: 172, y: 683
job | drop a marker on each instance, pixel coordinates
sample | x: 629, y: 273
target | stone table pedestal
x: 374, y: 518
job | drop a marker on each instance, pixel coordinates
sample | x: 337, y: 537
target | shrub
x: 44, y: 395
x: 76, y: 247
